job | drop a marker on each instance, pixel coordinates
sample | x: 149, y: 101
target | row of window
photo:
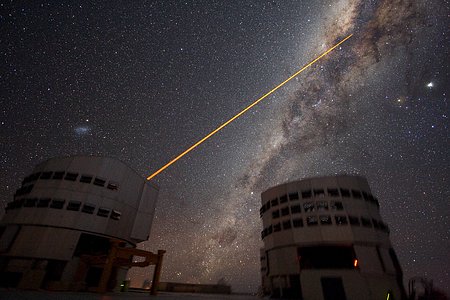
x: 71, y: 205
x: 325, y: 220
x: 308, y: 194
x: 307, y: 208
x: 69, y: 176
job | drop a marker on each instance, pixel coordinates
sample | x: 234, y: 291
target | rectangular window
x: 283, y: 199
x: 46, y: 175
x: 325, y: 220
x: 267, y: 205
x: 263, y: 234
x: 74, y: 205
x: 43, y: 202
x: 35, y: 176
x: 285, y: 211
x: 306, y: 194
x: 336, y: 205
x: 345, y: 193
x: 113, y: 186
x: 296, y: 209
x: 333, y: 192
x: 275, y: 214
x: 115, y: 215
x: 293, y: 196
x: 262, y: 211
x: 375, y: 224
x: 277, y: 227
x: 86, y: 179
x: 312, y: 221
x: 384, y: 227
x: 71, y: 176
x: 30, y: 202
x: 341, y: 220
x: 354, y: 221
x: 356, y: 194
x: 319, y: 193
x: 297, y: 223
x: 287, y: 224
x: 103, y: 212
x: 269, y: 230
x: 58, y: 175
x: 327, y: 257
x: 308, y: 206
x: 322, y: 205
x: 99, y: 182
x: 57, y: 203
x: 274, y: 202
x: 365, y: 196
x: 88, y: 208
x: 366, y: 222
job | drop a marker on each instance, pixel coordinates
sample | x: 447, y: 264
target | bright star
x: 430, y: 85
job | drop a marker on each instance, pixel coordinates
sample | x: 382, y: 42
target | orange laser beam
x: 248, y: 107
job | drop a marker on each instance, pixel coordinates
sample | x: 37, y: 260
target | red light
x: 355, y: 263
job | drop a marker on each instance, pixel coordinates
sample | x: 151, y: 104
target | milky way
x: 144, y: 82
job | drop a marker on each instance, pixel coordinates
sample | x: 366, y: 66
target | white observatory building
x: 324, y: 239
x: 65, y: 218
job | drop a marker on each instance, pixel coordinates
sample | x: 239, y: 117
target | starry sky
x: 143, y: 80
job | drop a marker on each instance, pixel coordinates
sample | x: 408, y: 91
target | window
x: 103, y: 212
x: 354, y: 221
x: 263, y: 234
x: 283, y: 199
x: 99, y: 182
x: 267, y: 205
x: 366, y: 222
x: 325, y: 220
x: 375, y: 224
x: 285, y: 211
x: 322, y: 205
x: 58, y: 175
x: 86, y: 179
x: 269, y: 230
x: 262, y: 210
x: 43, y: 202
x: 287, y: 224
x: 319, y: 193
x: 312, y: 221
x: 326, y: 257
x: 336, y: 205
x: 115, y: 215
x: 383, y: 227
x: 31, y: 202
x: 57, y: 203
x: 35, y: 176
x: 274, y: 202
x: 306, y: 194
x: 356, y: 194
x: 297, y: 223
x: 375, y: 201
x: 333, y: 192
x: 340, y: 220
x: 46, y: 175
x: 88, y: 208
x: 296, y: 209
x: 113, y: 186
x: 275, y: 214
x: 277, y: 227
x: 293, y: 196
x: 345, y: 193
x: 71, y: 176
x: 308, y: 206
x: 74, y: 205
x: 365, y: 195
x: 24, y: 190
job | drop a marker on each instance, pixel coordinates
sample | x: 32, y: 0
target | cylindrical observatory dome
x: 324, y: 239
x: 68, y: 212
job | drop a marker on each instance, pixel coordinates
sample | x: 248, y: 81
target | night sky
x: 143, y: 80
